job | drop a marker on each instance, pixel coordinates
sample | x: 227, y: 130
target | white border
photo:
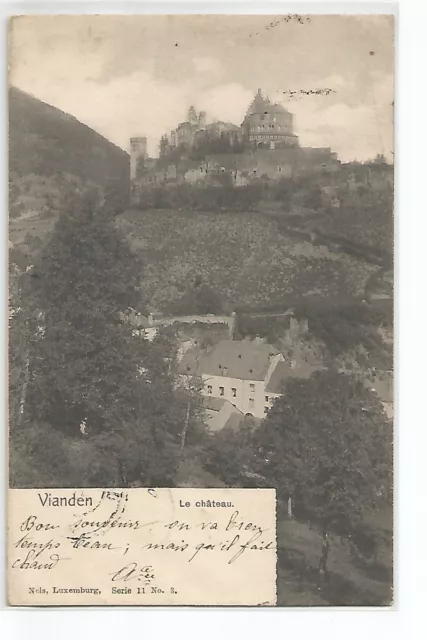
x: 406, y: 619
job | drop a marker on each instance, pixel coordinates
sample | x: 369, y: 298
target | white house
x: 237, y: 371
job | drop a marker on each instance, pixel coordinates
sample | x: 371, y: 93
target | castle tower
x: 268, y: 125
x: 138, y: 151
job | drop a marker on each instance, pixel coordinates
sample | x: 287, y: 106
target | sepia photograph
x: 201, y: 305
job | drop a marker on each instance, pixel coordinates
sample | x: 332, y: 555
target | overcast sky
x: 137, y: 75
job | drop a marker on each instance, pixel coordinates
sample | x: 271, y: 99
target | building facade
x: 236, y: 371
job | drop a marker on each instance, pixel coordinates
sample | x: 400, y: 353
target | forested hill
x: 51, y: 156
x: 44, y: 141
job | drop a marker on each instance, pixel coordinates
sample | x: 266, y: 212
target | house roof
x: 227, y: 419
x: 284, y: 371
x: 213, y: 404
x: 245, y: 360
x: 234, y: 421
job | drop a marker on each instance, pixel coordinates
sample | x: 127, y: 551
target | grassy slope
x: 350, y: 582
x: 244, y: 256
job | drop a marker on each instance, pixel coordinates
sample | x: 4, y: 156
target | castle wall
x: 276, y: 163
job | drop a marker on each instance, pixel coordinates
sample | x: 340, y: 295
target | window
x: 251, y: 402
x: 234, y: 392
x: 252, y: 388
x: 267, y: 398
x: 209, y: 389
x: 280, y: 169
x: 265, y: 409
x: 221, y: 391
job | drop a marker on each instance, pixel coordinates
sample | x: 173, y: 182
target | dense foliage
x: 213, y: 197
x: 105, y: 395
x: 342, y: 327
x: 327, y: 445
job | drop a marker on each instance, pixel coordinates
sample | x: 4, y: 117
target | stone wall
x: 276, y: 163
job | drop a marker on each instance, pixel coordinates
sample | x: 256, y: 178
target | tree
x: 380, y: 159
x: 18, y: 345
x: 229, y: 455
x: 90, y: 378
x: 327, y: 443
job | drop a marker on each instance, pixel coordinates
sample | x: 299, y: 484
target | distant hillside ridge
x: 43, y: 140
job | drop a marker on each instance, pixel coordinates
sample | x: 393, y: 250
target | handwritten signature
x: 132, y: 571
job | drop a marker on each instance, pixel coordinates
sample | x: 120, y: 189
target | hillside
x: 51, y: 153
x: 244, y: 256
x: 44, y: 140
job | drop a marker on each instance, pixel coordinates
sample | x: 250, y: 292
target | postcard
x: 143, y: 546
x: 201, y: 310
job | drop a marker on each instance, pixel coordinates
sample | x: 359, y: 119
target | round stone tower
x: 138, y: 151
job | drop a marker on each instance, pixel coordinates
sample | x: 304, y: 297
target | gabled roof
x: 245, y: 360
x: 230, y: 418
x: 261, y: 104
x: 214, y: 404
x: 284, y: 371
x: 234, y: 421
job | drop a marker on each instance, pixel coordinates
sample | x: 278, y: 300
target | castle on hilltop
x: 263, y: 146
x: 266, y: 125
